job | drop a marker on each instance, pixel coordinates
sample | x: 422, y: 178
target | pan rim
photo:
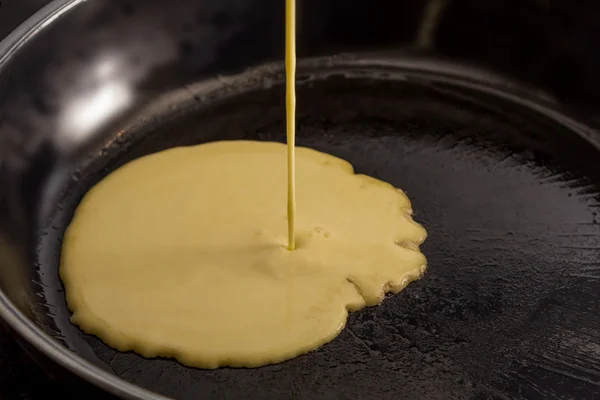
x: 16, y: 320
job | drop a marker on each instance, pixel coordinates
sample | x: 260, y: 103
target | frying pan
x: 482, y: 113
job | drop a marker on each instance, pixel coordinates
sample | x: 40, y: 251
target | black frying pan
x: 503, y: 177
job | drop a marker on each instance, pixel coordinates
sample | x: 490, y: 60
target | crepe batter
x: 184, y: 253
x: 290, y: 109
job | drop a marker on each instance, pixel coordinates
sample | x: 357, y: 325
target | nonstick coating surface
x: 509, y: 305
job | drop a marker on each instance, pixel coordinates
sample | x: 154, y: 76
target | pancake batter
x: 183, y: 253
x: 290, y: 114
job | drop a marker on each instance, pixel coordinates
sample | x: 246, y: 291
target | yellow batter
x: 184, y: 253
x: 290, y: 114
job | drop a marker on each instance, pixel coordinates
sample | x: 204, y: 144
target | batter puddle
x: 183, y: 253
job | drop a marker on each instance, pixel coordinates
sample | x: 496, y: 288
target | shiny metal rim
x: 45, y: 344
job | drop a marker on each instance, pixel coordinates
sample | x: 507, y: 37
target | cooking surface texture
x: 508, y: 305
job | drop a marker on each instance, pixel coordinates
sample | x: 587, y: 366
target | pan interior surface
x: 507, y: 189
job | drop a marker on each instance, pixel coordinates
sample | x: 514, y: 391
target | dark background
x: 20, y: 378
x: 13, y: 12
